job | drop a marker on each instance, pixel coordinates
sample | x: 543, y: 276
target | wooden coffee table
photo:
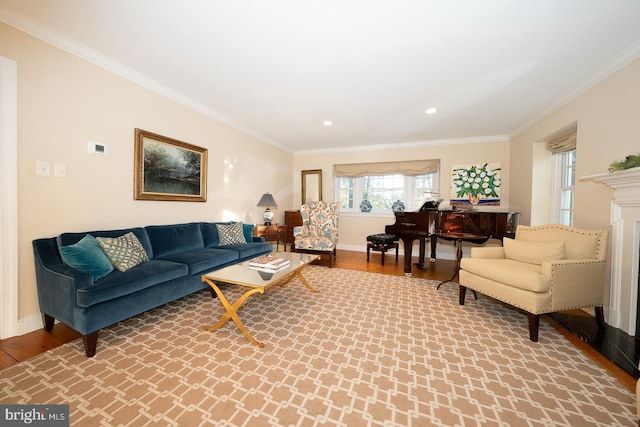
x: 257, y: 281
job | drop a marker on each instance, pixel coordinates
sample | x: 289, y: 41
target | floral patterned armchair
x: 319, y: 230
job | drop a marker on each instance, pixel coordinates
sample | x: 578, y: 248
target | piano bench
x: 382, y: 243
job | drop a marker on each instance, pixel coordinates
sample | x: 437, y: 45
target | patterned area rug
x: 368, y: 350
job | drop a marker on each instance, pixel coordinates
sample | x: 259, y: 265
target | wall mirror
x: 311, y: 185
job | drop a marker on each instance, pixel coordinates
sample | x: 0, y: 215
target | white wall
x: 64, y: 102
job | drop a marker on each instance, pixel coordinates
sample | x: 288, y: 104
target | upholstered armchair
x: 319, y: 230
x: 544, y: 269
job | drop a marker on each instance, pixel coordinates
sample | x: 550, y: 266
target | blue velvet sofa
x: 177, y: 256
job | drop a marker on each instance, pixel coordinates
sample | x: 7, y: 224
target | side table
x: 272, y: 233
x: 458, y: 238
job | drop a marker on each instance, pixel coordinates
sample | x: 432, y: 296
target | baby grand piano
x: 430, y: 222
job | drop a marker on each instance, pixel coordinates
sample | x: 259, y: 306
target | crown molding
x: 41, y: 32
x: 623, y: 59
x: 415, y: 144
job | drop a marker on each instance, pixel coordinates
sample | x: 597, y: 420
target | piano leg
x: 421, y: 255
x: 434, y: 243
x: 408, y: 248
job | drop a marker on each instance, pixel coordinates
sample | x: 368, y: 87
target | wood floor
x: 16, y: 349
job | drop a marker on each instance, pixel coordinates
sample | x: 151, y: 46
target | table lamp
x: 267, y: 201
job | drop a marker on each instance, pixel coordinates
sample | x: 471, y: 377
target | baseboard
x: 29, y: 324
x: 359, y: 248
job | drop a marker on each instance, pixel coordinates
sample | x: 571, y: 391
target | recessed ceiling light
x: 431, y: 110
x: 327, y: 123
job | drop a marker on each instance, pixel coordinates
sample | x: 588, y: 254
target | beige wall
x: 608, y: 129
x: 355, y: 227
x: 608, y: 122
x: 64, y: 102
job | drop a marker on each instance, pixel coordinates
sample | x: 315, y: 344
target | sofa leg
x: 48, y: 322
x: 463, y: 294
x: 534, y: 326
x: 602, y: 326
x: 90, y: 342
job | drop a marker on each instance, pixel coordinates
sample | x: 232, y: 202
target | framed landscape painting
x: 168, y: 169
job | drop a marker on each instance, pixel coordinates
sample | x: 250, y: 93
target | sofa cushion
x: 518, y: 274
x: 231, y: 234
x: 203, y: 259
x: 249, y: 250
x: 579, y: 243
x: 169, y: 239
x: 210, y: 233
x: 533, y: 252
x: 124, y: 252
x: 120, y: 283
x: 86, y: 255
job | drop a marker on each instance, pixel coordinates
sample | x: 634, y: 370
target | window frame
x: 409, y: 191
x: 564, y: 166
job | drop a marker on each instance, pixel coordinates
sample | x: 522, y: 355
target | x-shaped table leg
x: 232, y: 311
x: 299, y: 275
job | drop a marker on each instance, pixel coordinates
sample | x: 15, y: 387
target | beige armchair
x: 546, y: 268
x: 319, y: 230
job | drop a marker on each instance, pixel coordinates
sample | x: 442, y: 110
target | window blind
x: 563, y: 142
x: 408, y: 168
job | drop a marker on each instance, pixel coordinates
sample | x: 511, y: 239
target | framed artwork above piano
x: 476, y: 184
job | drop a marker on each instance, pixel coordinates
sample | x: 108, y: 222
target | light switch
x: 60, y: 170
x: 43, y: 168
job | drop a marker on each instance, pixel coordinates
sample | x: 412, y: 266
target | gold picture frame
x: 311, y: 185
x: 168, y: 169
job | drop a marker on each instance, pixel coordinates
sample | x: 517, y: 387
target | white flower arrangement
x: 476, y: 182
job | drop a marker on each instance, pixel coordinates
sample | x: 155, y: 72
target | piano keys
x: 429, y: 223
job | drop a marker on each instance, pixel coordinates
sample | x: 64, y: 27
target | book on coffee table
x: 269, y: 263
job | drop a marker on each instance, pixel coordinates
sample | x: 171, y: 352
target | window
x: 564, y: 179
x: 383, y: 190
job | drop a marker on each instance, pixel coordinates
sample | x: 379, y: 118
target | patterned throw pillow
x: 231, y: 234
x: 124, y: 252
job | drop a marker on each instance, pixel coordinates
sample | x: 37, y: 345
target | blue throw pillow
x: 247, y: 229
x: 86, y: 255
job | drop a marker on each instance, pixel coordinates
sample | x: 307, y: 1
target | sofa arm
x: 56, y: 282
x: 575, y: 283
x: 488, y: 252
x: 258, y: 239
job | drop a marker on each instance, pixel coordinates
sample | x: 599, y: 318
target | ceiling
x: 277, y: 69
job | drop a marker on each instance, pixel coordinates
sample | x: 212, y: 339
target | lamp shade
x: 267, y: 201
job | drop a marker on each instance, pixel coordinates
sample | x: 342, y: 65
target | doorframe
x: 8, y: 197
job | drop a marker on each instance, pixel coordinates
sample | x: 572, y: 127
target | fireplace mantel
x: 625, y: 241
x: 628, y: 178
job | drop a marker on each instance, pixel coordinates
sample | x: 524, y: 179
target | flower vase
x: 365, y: 206
x: 474, y: 199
